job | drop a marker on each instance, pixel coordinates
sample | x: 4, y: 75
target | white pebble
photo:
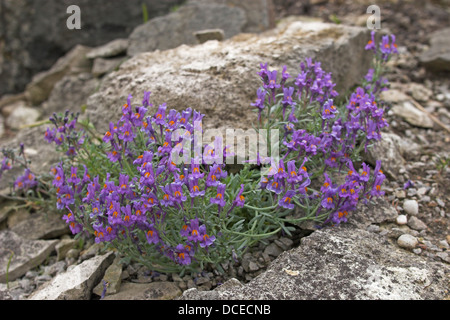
x: 411, y: 207
x: 402, y: 219
x: 407, y: 241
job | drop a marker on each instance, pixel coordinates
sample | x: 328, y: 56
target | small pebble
x: 411, y: 207
x: 407, y: 241
x: 402, y: 219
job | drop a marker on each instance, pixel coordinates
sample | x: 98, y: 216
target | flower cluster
x: 146, y: 194
x: 145, y: 188
x: 330, y: 144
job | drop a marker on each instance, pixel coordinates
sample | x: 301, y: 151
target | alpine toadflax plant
x: 129, y: 190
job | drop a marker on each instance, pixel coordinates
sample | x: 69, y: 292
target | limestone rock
x: 412, y: 115
x: 77, y: 282
x: 113, y: 278
x: 73, y: 62
x: 42, y: 226
x: 219, y: 78
x: 387, y: 150
x: 27, y: 254
x: 161, y: 290
x: 63, y: 247
x: 342, y: 263
x: 177, y: 28
x: 70, y: 93
x: 437, y: 57
x: 102, y: 66
x: 411, y: 207
x: 407, y: 241
x: 34, y: 35
x: 111, y: 49
x: 22, y: 115
x: 260, y: 14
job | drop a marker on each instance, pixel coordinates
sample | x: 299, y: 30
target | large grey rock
x: 161, y: 290
x: 111, y: 49
x: 74, y: 62
x: 41, y: 154
x: 77, y: 282
x: 219, y: 78
x: 70, y: 93
x: 178, y: 27
x: 33, y: 36
x: 412, y: 115
x: 42, y: 226
x: 27, y: 254
x: 437, y: 57
x: 342, y: 263
x: 391, y: 150
x: 21, y: 116
x: 260, y: 14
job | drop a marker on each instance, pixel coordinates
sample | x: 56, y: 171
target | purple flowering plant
x: 128, y: 189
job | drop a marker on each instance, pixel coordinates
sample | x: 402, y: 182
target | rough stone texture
x: 63, y: 247
x: 219, y: 78
x: 342, y: 263
x: 387, y: 150
x: 260, y: 14
x: 102, y: 66
x: 113, y: 277
x: 411, y: 207
x: 77, y: 282
x: 42, y: 226
x: 111, y: 49
x: 178, y: 27
x: 160, y: 290
x: 73, y: 62
x: 407, y: 241
x: 70, y: 93
x: 412, y: 115
x: 33, y: 36
x: 41, y: 154
x: 27, y: 254
x: 437, y: 57
x: 21, y: 116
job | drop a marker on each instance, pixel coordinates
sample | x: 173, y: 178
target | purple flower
x: 50, y: 135
x: 408, y: 184
x: 138, y: 117
x: 126, y: 133
x: 212, y: 180
x: 147, y: 176
x: 167, y: 199
x: 272, y: 80
x: 73, y: 176
x: 114, y: 156
x: 371, y: 44
x: 328, y: 199
x: 219, y: 199
x: 292, y: 175
x: 178, y: 193
x: 329, y: 110
x: 124, y: 187
x: 276, y: 186
x: 152, y: 235
x: 206, y: 240
x: 240, y: 199
x: 109, y: 135
x: 194, y: 234
x: 286, y: 200
x: 114, y: 214
x: 146, y: 99
x: 160, y: 116
x: 182, y: 255
x: 287, y: 97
